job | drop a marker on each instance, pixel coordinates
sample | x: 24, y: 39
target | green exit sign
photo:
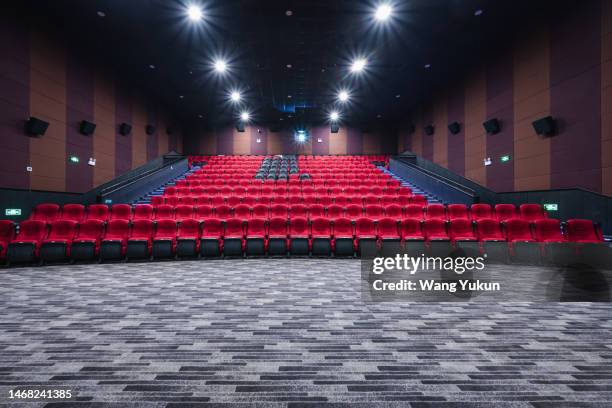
x: 551, y: 207
x: 505, y: 158
x: 12, y: 211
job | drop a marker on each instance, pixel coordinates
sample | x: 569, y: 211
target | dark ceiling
x: 319, y: 40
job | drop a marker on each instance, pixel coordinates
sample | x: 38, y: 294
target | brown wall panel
x: 338, y: 141
x: 440, y: 137
x: 606, y: 98
x: 104, y: 139
x: 48, y: 102
x: 242, y: 141
x: 274, y: 143
x: 531, y: 102
x: 139, y: 136
x: 475, y: 136
x: 371, y: 143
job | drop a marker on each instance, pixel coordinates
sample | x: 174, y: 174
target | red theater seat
x: 233, y: 237
x: 25, y: 246
x: 223, y: 212
x: 86, y: 243
x: 298, y: 210
x: 201, y: 212
x: 373, y: 212
x: 46, y: 212
x: 505, y: 212
x: 316, y: 210
x: 388, y: 230
x: 435, y: 211
x: 419, y: 199
x: 532, y: 212
x: 97, y: 212
x: 261, y: 211
x: 56, y: 246
x: 143, y: 212
x: 140, y: 239
x: 462, y: 229
x: 121, y: 212
x: 242, y: 211
x: 584, y: 231
x: 277, y: 236
x: 256, y: 237
x: 320, y: 236
x: 335, y: 211
x: 188, y: 238
x: 114, y: 242
x: 279, y: 210
x: 414, y: 211
x: 394, y: 211
x: 435, y: 230
x: 211, y: 241
x: 458, y: 211
x: 343, y: 237
x: 365, y: 235
x: 488, y: 229
x: 481, y: 211
x: 549, y: 230
x: 157, y: 200
x: 518, y: 230
x: 164, y: 239
x: 354, y: 211
x: 299, y: 236
x: 73, y: 212
x: 164, y: 212
x: 7, y: 234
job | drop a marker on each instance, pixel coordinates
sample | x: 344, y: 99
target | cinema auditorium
x: 306, y: 203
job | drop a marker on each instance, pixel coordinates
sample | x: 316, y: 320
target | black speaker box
x: 545, y: 126
x: 454, y: 128
x: 125, y: 129
x: 36, y: 127
x: 240, y: 127
x: 334, y: 128
x: 87, y: 128
x: 150, y: 129
x: 429, y: 130
x: 492, y: 126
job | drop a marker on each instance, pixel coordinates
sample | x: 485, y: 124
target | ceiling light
x: 358, y: 65
x: 220, y: 66
x: 288, y: 13
x: 181, y: 96
x: 427, y: 66
x: 194, y: 13
x: 383, y: 12
x: 289, y: 66
x: 235, y: 96
x: 343, y: 96
x: 101, y: 14
x: 152, y: 66
x: 478, y: 12
x: 398, y: 96
x: 334, y: 116
x: 289, y: 96
x: 245, y: 116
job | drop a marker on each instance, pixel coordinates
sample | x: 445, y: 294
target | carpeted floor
x: 278, y: 332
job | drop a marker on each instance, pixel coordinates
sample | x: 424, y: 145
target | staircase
x: 431, y: 199
x: 160, y: 190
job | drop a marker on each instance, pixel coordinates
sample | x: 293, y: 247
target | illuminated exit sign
x: 551, y: 207
x: 12, y: 211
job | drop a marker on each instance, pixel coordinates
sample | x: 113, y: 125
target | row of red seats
x: 232, y: 201
x: 305, y: 191
x: 56, y: 241
x: 248, y: 180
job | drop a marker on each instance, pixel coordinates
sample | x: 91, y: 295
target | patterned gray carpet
x: 287, y: 333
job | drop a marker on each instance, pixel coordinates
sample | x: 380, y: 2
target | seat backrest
x: 481, y: 211
x: 489, y: 229
x: 202, y: 212
x: 47, y: 212
x: 518, y: 230
x: 234, y: 227
x: 62, y: 229
x: 73, y: 212
x: 532, y: 212
x: 435, y: 228
x: 412, y: 228
x: 435, y: 211
x: 117, y: 229
x: 256, y: 226
x: 387, y: 227
x: 32, y: 230
x: 335, y: 211
x: 242, y: 211
x: 373, y: 210
x: 7, y: 231
x: 365, y: 227
x: 277, y: 226
x: 320, y: 226
x: 505, y: 212
x: 461, y: 228
x: 579, y: 230
x: 298, y: 210
x: 157, y: 200
x: 279, y: 210
x: 90, y: 229
x: 393, y: 211
x: 418, y: 199
x: 164, y: 212
x: 457, y: 211
x: 189, y: 228
x: 354, y: 211
x: 97, y: 212
x: 414, y: 211
x: 298, y: 226
x: 316, y: 210
x: 549, y: 230
x: 121, y: 212
x: 142, y: 229
x: 261, y: 211
x: 165, y: 229
x: 212, y: 227
x: 223, y: 211
x: 143, y: 212
x: 343, y: 227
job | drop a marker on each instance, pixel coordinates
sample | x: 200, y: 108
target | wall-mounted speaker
x: 429, y: 130
x: 150, y: 129
x: 454, y: 128
x: 36, y: 127
x: 492, y: 126
x: 240, y: 127
x: 334, y: 128
x: 125, y: 129
x: 545, y: 126
x: 87, y: 128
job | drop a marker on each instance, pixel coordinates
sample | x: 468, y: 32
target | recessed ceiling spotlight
x: 289, y: 66
x: 151, y: 66
x: 220, y: 66
x: 358, y: 65
x: 194, y: 13
x: 245, y: 116
x: 398, y: 96
x: 343, y: 96
x: 289, y: 96
x: 101, y: 14
x: 478, y: 12
x: 200, y: 116
x: 379, y: 116
x: 235, y: 96
x: 181, y: 96
x: 288, y: 13
x: 383, y: 12
x: 334, y: 116
x: 427, y: 66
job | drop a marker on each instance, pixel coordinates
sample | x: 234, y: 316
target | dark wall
x: 560, y: 67
x: 42, y: 75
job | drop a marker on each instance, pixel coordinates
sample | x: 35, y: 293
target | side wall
x: 563, y: 69
x: 45, y: 77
